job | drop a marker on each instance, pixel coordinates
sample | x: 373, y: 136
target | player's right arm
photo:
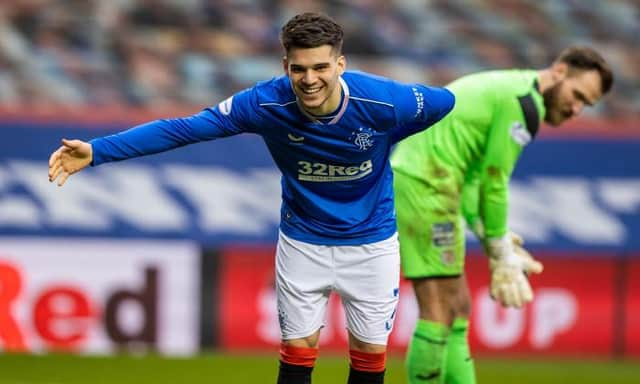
x: 232, y: 116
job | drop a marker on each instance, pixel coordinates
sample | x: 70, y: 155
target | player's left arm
x: 511, y: 130
x: 470, y: 204
x: 509, y: 262
x: 418, y: 107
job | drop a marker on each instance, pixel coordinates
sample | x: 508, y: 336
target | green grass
x: 218, y: 368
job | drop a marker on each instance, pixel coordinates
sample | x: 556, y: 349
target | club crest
x: 362, y: 138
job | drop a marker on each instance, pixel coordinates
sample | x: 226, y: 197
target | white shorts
x: 365, y: 276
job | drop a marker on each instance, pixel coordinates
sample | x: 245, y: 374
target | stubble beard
x: 550, y: 99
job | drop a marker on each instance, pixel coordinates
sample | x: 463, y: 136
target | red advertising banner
x: 573, y: 312
x: 248, y: 317
x: 632, y: 306
x: 98, y: 296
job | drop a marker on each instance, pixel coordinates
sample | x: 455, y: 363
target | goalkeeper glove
x: 510, y: 264
x: 478, y: 229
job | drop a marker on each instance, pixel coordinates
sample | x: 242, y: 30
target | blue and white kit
x: 336, y: 178
x: 337, y: 227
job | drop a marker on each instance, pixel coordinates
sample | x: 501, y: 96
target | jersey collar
x: 536, y: 86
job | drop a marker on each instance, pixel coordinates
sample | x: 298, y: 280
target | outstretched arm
x: 71, y: 157
x: 154, y: 137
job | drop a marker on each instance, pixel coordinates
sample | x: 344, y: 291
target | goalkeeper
x: 459, y: 171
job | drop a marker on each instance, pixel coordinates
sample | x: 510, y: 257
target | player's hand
x: 516, y: 239
x: 510, y: 264
x: 71, y: 157
x: 530, y: 265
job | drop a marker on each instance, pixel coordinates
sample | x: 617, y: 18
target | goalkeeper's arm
x: 470, y: 206
x: 509, y: 262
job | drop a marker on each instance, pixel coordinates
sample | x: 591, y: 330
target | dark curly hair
x: 311, y: 30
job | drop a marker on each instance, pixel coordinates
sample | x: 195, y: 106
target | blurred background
x: 172, y: 255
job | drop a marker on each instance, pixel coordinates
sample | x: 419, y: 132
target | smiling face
x: 571, y: 92
x: 314, y: 75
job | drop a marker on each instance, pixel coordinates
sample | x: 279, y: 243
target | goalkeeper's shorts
x: 430, y: 227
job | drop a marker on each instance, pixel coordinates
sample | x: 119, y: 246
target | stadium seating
x: 154, y: 53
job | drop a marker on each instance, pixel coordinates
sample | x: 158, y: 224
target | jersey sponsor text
x: 321, y: 172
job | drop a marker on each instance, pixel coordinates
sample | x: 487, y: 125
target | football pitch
x: 219, y: 368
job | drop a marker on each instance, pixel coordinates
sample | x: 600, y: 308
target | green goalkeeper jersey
x: 496, y: 114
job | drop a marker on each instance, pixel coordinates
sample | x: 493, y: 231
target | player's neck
x: 545, y: 80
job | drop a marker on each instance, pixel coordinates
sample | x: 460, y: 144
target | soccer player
x: 459, y: 171
x: 329, y: 132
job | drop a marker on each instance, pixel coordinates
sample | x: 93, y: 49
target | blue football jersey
x: 337, y: 184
